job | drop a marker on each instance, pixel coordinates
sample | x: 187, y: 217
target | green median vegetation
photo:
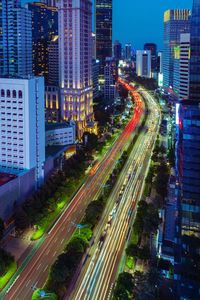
x: 8, y: 267
x: 65, y: 267
x: 49, y: 296
x: 45, y: 206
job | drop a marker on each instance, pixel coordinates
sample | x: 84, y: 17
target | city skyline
x: 149, y: 26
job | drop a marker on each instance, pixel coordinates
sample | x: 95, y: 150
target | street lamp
x: 79, y: 226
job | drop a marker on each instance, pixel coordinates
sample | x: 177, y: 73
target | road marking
x: 62, y: 241
x: 28, y: 282
x: 55, y: 240
x: 38, y: 266
x: 54, y: 254
x: 48, y: 252
x: 45, y: 268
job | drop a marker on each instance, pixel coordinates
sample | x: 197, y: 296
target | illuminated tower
x: 75, y: 56
x: 103, y: 28
x: 195, y: 53
x: 176, y: 21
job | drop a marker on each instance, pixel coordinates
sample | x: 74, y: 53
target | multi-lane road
x: 35, y: 270
x: 98, y: 274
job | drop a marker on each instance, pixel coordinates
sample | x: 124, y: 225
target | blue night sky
x: 140, y: 21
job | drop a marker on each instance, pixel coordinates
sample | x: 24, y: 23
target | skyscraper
x: 127, y: 51
x: 44, y: 28
x: 154, y: 62
x: 143, y: 63
x: 103, y: 29
x: 75, y: 55
x: 117, y: 50
x: 195, y: 52
x: 184, y: 66
x: 15, y: 39
x: 176, y: 21
x: 187, y: 255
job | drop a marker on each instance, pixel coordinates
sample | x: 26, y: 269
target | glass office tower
x: 187, y: 254
x: 195, y: 53
x: 103, y: 28
x: 176, y: 21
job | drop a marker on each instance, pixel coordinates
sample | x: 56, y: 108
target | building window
x: 8, y: 93
x: 20, y: 94
x: 14, y: 93
x: 2, y: 93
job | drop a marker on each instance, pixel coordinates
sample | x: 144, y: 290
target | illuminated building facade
x: 176, y: 21
x: 15, y: 39
x: 127, y: 52
x: 187, y: 253
x: 195, y: 52
x: 184, y: 66
x: 75, y: 57
x: 103, y: 30
x: 154, y: 61
x: 143, y: 63
x: 44, y: 28
x: 117, y: 50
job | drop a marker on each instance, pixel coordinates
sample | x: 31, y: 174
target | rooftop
x: 6, y: 177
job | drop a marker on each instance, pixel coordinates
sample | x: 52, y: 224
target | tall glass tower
x: 176, y: 21
x: 15, y: 39
x: 195, y: 53
x: 103, y: 28
x: 187, y: 256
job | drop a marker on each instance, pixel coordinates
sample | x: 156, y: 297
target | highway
x: 98, y: 274
x: 35, y: 270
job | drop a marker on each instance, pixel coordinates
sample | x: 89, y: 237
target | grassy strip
x: 36, y: 295
x: 5, y: 278
x: 67, y: 263
x: 48, y: 219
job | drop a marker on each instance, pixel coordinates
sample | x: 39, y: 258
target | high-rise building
x: 53, y: 62
x: 176, y: 21
x: 75, y: 55
x: 110, y: 76
x: 195, y: 52
x: 22, y: 143
x: 15, y: 39
x: 187, y: 254
x: 154, y: 61
x: 184, y: 66
x: 117, y: 50
x: 44, y: 28
x: 127, y: 52
x: 103, y: 30
x: 186, y: 272
x: 143, y: 63
x: 95, y: 78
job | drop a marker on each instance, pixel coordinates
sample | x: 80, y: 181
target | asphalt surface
x: 98, y: 274
x: 35, y: 271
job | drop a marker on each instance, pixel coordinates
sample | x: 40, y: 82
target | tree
x: 1, y: 228
x: 6, y: 259
x: 144, y: 253
x: 124, y: 286
x: 132, y: 250
x: 21, y: 219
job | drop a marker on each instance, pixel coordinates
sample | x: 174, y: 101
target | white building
x: 22, y: 121
x: 184, y: 66
x: 75, y: 55
x: 143, y: 63
x: 60, y: 134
